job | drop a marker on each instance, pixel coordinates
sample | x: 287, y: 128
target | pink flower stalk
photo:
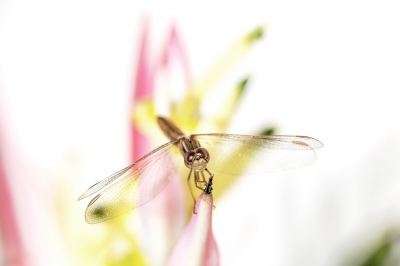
x: 164, y: 218
x: 13, y: 249
x: 197, y: 245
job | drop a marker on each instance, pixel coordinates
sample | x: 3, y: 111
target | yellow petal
x: 226, y: 61
x: 188, y: 110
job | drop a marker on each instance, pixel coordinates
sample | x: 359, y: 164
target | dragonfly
x: 203, y: 154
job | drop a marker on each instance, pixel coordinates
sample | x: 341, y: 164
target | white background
x: 329, y: 70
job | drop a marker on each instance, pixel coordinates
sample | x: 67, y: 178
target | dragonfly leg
x: 201, y: 188
x: 190, y: 187
x: 197, y: 181
x: 208, y: 185
x: 202, y: 175
x: 208, y: 172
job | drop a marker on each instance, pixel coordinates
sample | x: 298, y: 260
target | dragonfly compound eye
x: 203, y: 153
x: 189, y: 157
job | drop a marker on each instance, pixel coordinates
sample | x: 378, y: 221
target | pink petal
x: 13, y: 246
x: 144, y: 73
x: 175, y: 52
x: 140, y: 144
x: 143, y: 88
x: 197, y: 245
x: 11, y: 239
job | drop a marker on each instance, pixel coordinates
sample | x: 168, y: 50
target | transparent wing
x: 246, y: 154
x: 143, y: 181
x: 103, y: 183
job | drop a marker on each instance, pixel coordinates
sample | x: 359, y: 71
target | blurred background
x: 329, y: 70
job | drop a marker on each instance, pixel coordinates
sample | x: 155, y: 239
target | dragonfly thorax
x: 197, y: 159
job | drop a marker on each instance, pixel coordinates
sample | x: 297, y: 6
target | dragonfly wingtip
x: 321, y: 145
x: 81, y: 197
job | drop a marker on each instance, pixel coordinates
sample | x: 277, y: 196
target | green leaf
x: 379, y: 257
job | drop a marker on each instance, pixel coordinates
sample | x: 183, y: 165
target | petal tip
x: 256, y: 34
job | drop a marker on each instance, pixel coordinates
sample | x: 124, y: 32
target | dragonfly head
x: 197, y: 159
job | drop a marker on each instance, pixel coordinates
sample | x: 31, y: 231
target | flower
x: 163, y: 218
x: 148, y: 235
